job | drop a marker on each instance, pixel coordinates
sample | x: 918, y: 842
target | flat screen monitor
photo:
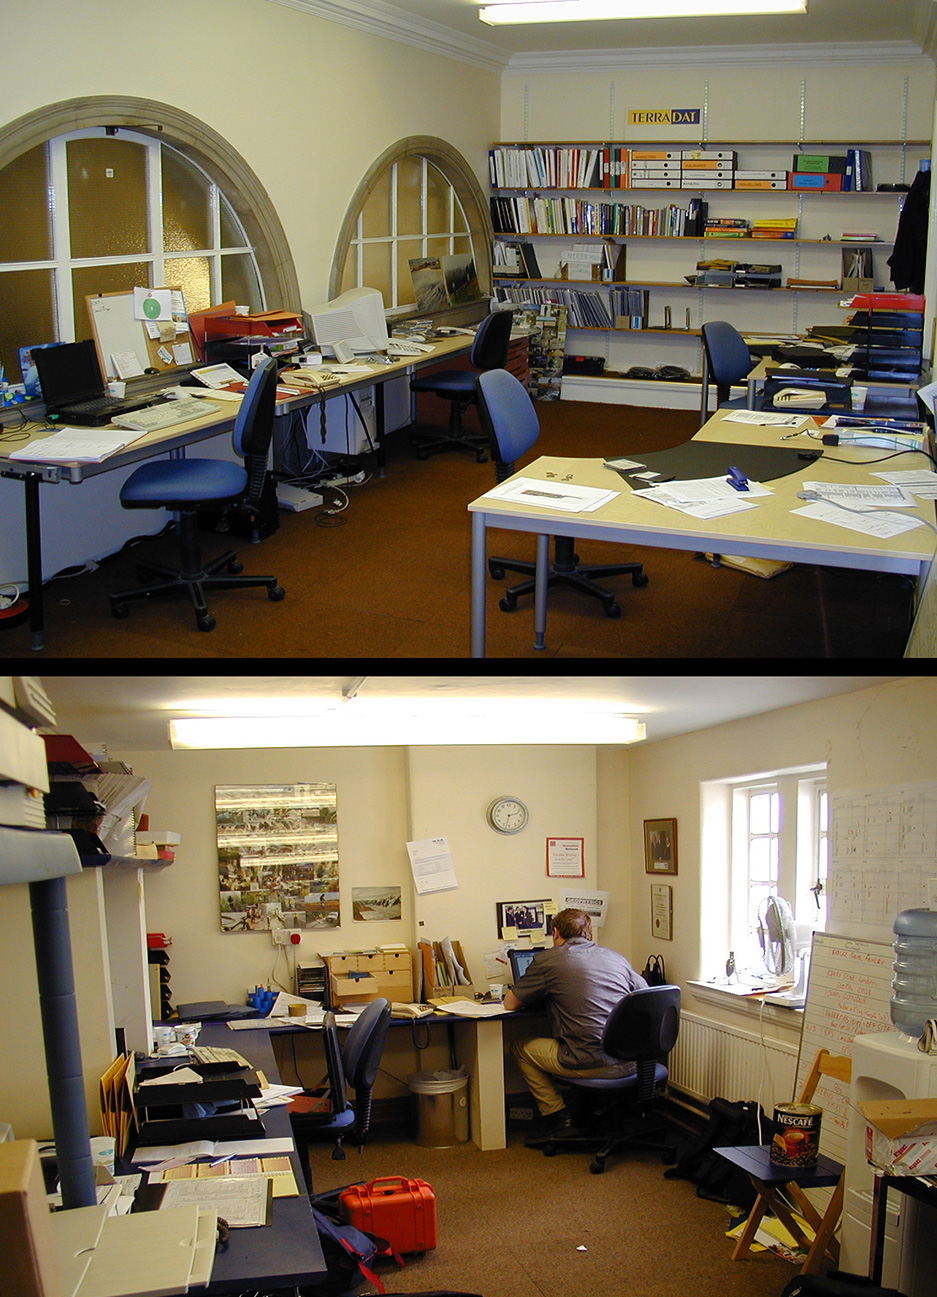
x: 521, y: 960
x: 355, y: 318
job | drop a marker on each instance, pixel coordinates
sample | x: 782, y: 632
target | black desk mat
x: 713, y: 459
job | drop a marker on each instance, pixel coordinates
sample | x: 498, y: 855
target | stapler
x: 737, y: 479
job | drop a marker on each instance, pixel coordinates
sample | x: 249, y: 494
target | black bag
x: 654, y: 972
x: 348, y: 1251
x: 715, y: 1178
x: 836, y: 1283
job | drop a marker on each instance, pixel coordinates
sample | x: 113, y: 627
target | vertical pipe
x: 49, y: 901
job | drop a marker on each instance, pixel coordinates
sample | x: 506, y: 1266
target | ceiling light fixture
x: 569, y: 11
x: 381, y: 722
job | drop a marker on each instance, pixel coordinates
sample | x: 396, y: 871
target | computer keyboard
x: 155, y: 417
x: 205, y: 1054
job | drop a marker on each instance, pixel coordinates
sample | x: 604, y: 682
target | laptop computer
x: 521, y: 960
x: 73, y: 386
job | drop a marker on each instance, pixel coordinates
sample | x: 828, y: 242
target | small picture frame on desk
x: 660, y: 846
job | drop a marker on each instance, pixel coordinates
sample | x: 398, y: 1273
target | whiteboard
x: 848, y: 995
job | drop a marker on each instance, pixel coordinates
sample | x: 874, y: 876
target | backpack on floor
x: 729, y: 1123
x: 348, y: 1253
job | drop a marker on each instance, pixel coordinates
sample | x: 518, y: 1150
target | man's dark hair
x: 573, y: 923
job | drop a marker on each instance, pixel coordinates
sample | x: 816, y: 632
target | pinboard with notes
x: 127, y: 346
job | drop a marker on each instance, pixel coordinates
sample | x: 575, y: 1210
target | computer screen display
x: 520, y: 962
x: 355, y: 318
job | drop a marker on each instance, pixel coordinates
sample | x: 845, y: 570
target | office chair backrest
x: 729, y: 358
x: 508, y: 418
x: 253, y: 427
x: 643, y: 1025
x: 361, y: 1056
x: 492, y: 340
x: 338, y: 1090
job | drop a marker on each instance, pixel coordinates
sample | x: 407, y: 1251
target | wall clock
x: 507, y: 815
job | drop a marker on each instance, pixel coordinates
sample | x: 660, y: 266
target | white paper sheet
x: 552, y: 494
x: 872, y: 523
x: 431, y: 864
x: 860, y: 497
x: 768, y: 418
x: 708, y: 497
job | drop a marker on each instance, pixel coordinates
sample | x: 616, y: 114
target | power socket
x: 345, y: 481
x: 281, y: 936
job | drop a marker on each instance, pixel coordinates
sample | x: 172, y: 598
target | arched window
x: 138, y: 195
x: 419, y: 199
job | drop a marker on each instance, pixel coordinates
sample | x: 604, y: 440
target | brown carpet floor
x: 512, y: 1223
x: 391, y: 580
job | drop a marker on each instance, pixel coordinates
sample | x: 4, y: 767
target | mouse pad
x: 713, y: 459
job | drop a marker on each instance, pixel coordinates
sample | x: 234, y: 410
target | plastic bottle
x: 914, y: 987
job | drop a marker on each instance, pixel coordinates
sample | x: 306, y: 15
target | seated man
x: 580, y: 983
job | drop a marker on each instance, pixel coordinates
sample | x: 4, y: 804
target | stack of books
x: 726, y: 227
x: 775, y: 227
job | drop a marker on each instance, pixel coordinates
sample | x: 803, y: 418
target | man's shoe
x: 554, y: 1126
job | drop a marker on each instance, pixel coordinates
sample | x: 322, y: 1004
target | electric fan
x: 784, y: 944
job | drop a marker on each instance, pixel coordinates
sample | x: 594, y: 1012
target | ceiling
x: 832, y: 23
x: 132, y: 712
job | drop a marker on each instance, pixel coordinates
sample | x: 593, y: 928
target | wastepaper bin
x: 440, y: 1107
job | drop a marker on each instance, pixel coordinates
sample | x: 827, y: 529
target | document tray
x: 238, y: 1124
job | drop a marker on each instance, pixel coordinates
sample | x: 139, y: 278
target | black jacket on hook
x: 907, y: 259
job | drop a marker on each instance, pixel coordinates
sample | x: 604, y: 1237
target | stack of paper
x: 77, y: 446
x: 551, y: 494
x: 706, y: 497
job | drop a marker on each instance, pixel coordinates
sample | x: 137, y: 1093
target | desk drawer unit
x: 360, y: 976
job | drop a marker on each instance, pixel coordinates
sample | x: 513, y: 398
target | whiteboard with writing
x: 848, y: 995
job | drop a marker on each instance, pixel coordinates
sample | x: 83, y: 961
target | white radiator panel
x: 711, y: 1059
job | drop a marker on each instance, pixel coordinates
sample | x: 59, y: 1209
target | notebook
x: 73, y: 386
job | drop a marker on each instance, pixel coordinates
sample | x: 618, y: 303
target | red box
x: 396, y: 1209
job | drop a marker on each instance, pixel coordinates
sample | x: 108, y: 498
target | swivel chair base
x: 565, y: 570
x: 638, y: 1131
x: 428, y: 443
x: 193, y: 579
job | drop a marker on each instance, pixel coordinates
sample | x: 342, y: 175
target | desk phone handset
x: 314, y: 379
x: 400, y: 347
x: 410, y: 1010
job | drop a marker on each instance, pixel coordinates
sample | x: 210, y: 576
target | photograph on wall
x: 370, y: 903
x: 533, y: 919
x: 660, y: 846
x: 277, y: 856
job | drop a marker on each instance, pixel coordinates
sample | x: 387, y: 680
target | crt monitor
x: 520, y: 962
x: 355, y: 318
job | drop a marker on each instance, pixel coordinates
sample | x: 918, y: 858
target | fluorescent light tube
x: 380, y: 722
x: 569, y: 11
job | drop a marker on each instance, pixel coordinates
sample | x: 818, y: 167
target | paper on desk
x: 565, y: 496
x: 77, y: 445
x: 242, y: 1200
x: 874, y: 522
x: 706, y: 497
x: 921, y: 482
x: 767, y: 418
x: 469, y: 1008
x: 178, y: 1076
x: 889, y: 497
x: 209, y: 1148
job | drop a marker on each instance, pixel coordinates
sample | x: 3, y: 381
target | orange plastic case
x: 394, y: 1208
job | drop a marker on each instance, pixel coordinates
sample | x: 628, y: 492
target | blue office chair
x: 618, y: 1112
x: 457, y: 386
x: 356, y: 1064
x: 186, y: 485
x: 726, y: 362
x: 508, y: 416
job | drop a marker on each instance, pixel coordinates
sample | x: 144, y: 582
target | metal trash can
x: 440, y: 1107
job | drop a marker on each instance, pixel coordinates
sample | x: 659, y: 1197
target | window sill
x: 750, y: 1002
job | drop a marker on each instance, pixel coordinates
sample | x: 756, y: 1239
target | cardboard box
x: 31, y: 1265
x: 901, y: 1135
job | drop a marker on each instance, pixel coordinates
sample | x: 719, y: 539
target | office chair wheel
x: 120, y: 610
x: 496, y: 573
x: 611, y: 608
x: 206, y: 623
x: 421, y: 454
x: 235, y: 567
x: 481, y: 457
x: 275, y: 593
x: 507, y: 604
x: 338, y: 1154
x: 597, y: 1166
x: 640, y: 580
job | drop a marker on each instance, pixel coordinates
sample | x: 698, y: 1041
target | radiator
x: 711, y: 1059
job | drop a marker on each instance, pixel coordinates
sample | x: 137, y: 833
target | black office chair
x: 726, y: 362
x: 508, y: 416
x: 457, y: 386
x: 621, y: 1112
x: 355, y: 1064
x: 186, y: 485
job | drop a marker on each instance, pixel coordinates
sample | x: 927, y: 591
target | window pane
x: 462, y: 246
x: 407, y: 249
x: 26, y: 315
x: 458, y: 218
x: 239, y: 281
x: 437, y: 247
x: 775, y: 812
x: 410, y: 196
x: 437, y: 201
x: 759, y: 820
x: 89, y: 280
x: 25, y: 232
x: 186, y: 210
x: 376, y: 269
x: 350, y: 273
x: 773, y: 859
x: 824, y: 807
x: 193, y: 276
x: 107, y: 198
x: 376, y: 213
x: 759, y: 859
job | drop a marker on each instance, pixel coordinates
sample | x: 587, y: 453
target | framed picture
x: 566, y: 858
x: 532, y: 919
x: 660, y: 846
x: 662, y: 911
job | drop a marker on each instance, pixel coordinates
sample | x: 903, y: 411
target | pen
x: 787, y: 436
x: 218, y: 1160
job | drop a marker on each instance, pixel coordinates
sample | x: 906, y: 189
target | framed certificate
x: 566, y: 858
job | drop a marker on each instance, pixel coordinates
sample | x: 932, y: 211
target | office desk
x: 771, y: 530
x: 287, y: 1251
x: 886, y: 398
